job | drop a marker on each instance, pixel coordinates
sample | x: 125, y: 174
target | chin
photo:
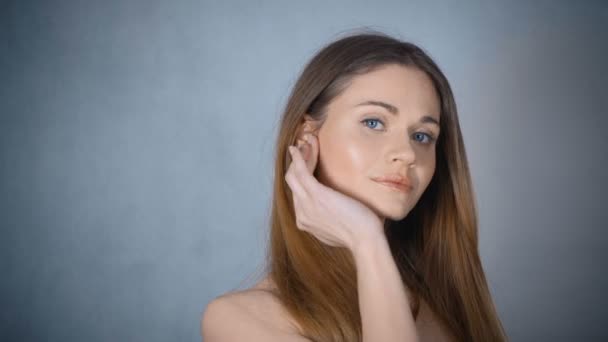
x: 389, y: 209
x: 397, y: 217
x: 393, y: 214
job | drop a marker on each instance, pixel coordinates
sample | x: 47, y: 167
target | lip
x: 396, y: 182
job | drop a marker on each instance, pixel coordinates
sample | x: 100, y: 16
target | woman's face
x: 359, y: 142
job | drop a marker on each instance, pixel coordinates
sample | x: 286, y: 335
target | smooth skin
x: 345, y: 207
x: 359, y: 142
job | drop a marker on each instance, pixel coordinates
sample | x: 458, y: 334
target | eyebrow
x: 393, y: 110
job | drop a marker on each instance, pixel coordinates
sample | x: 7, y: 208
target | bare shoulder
x: 428, y: 327
x: 249, y: 315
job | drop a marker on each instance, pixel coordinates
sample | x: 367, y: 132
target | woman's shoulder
x: 252, y: 314
x: 428, y: 326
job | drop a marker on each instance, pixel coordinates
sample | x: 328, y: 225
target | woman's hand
x: 331, y: 216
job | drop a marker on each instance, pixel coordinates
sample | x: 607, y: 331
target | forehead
x: 407, y: 88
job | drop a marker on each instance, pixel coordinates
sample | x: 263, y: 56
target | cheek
x: 358, y: 155
x: 346, y: 162
x: 425, y: 174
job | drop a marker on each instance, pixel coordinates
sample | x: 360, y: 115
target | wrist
x: 369, y: 244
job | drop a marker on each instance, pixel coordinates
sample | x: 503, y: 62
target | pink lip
x: 395, y: 181
x: 396, y: 186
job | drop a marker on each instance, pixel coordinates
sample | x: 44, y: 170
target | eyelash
x: 431, y: 137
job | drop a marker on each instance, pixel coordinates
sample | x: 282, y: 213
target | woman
x: 374, y: 223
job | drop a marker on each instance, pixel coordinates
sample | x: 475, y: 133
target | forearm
x: 383, y: 302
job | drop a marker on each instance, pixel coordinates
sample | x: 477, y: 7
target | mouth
x: 399, y: 187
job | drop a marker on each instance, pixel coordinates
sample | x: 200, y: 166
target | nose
x: 402, y: 150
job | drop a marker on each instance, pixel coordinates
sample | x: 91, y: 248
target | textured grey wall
x: 136, y: 145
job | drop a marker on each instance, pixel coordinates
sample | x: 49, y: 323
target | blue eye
x: 372, y: 120
x: 373, y: 124
x: 430, y: 137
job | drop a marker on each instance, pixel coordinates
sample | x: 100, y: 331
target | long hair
x: 435, y: 246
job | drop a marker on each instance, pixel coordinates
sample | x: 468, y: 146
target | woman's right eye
x: 372, y: 123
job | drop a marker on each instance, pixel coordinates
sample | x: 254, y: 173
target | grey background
x: 136, y: 142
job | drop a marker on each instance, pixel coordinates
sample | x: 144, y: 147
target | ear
x: 309, y: 125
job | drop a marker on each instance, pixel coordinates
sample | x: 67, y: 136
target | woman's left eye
x: 430, y: 138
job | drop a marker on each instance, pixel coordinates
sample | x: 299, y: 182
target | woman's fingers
x: 299, y: 194
x: 292, y: 178
x: 301, y: 172
x: 309, y: 148
x: 298, y: 211
x: 313, y: 151
x: 304, y: 171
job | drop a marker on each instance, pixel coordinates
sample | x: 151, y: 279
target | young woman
x: 374, y: 221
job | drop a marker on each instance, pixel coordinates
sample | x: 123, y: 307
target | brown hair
x: 435, y: 246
